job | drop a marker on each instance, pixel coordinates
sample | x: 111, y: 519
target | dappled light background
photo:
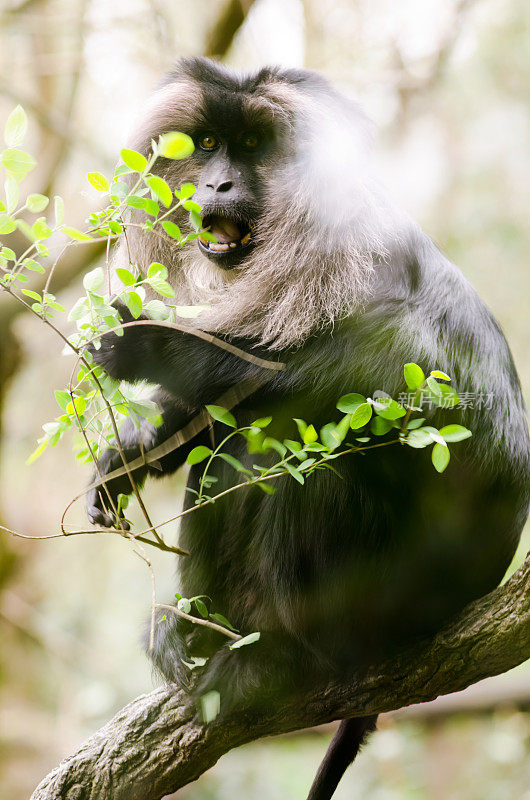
x: 447, y: 84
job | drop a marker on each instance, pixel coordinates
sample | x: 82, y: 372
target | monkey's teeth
x: 233, y: 244
x: 217, y: 247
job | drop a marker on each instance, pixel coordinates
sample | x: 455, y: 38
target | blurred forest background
x: 447, y: 84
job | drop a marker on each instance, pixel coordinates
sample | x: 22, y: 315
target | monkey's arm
x: 191, y: 369
x: 135, y: 442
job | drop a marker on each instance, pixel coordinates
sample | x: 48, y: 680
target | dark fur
x: 338, y: 572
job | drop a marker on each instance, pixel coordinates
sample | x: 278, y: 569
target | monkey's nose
x: 224, y: 186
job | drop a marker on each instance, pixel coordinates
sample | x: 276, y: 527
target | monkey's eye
x: 208, y: 142
x: 250, y: 141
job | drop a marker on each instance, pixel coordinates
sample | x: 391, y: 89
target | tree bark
x: 156, y: 745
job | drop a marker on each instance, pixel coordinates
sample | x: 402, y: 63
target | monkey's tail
x: 345, y: 745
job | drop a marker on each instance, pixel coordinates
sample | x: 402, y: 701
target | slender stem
x: 199, y: 621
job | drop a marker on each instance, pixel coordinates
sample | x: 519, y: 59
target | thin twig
x: 200, y: 621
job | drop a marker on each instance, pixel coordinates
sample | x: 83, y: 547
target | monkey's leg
x: 345, y: 745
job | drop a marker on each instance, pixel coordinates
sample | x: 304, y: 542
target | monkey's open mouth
x: 231, y: 235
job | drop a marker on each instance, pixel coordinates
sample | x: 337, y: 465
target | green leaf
x: 191, y: 205
x: 7, y: 225
x: 134, y: 160
x: 185, y: 191
x: 222, y: 415
x: 207, y: 236
x: 115, y: 226
x: 196, y: 661
x: 37, y: 452
x: 306, y: 463
x: 414, y: 375
x: 434, y: 386
x: 156, y: 309
x: 62, y: 397
x: 17, y: 162
x: 126, y: 276
x: 133, y: 301
x: 137, y: 202
x: 40, y: 229
x: 161, y: 286
x: 361, y: 416
x: 415, y: 423
x: 448, y: 397
x: 94, y: 279
x: 269, y: 443
x: 310, y: 435
x: 330, y: 436
x: 79, y: 310
x: 223, y: 621
x: 184, y: 605
x: 37, y: 202
x: 435, y: 435
x: 201, y: 608
x: 33, y: 295
x: 262, y: 422
x: 151, y: 207
x: 160, y: 189
x: 418, y: 439
x: 122, y: 169
x: 297, y: 475
x: 155, y: 268
x: 16, y: 127
x: 343, y: 426
x: 171, y: 229
x: 301, y: 425
x: 437, y: 374
x: 33, y: 266
x: 455, y: 433
x: 233, y: 462
x: 379, y: 426
x: 387, y: 408
x: 348, y: 403
x: 210, y: 706
x: 98, y: 181
x: 198, y: 454
x: 440, y: 457
x: 175, y: 145
x: 250, y: 639
x: 293, y: 446
x: 119, y: 189
x: 79, y: 404
x: 195, y: 220
x: 266, y: 487
x: 73, y: 233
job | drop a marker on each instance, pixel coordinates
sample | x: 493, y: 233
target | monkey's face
x: 284, y: 186
x: 229, y: 187
x: 241, y: 130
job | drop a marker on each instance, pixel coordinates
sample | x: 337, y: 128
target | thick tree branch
x: 156, y: 745
x: 231, y: 18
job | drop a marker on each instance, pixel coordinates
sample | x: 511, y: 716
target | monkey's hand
x: 121, y: 356
x: 102, y: 500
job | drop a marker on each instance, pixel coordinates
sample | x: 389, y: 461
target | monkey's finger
x: 98, y: 516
